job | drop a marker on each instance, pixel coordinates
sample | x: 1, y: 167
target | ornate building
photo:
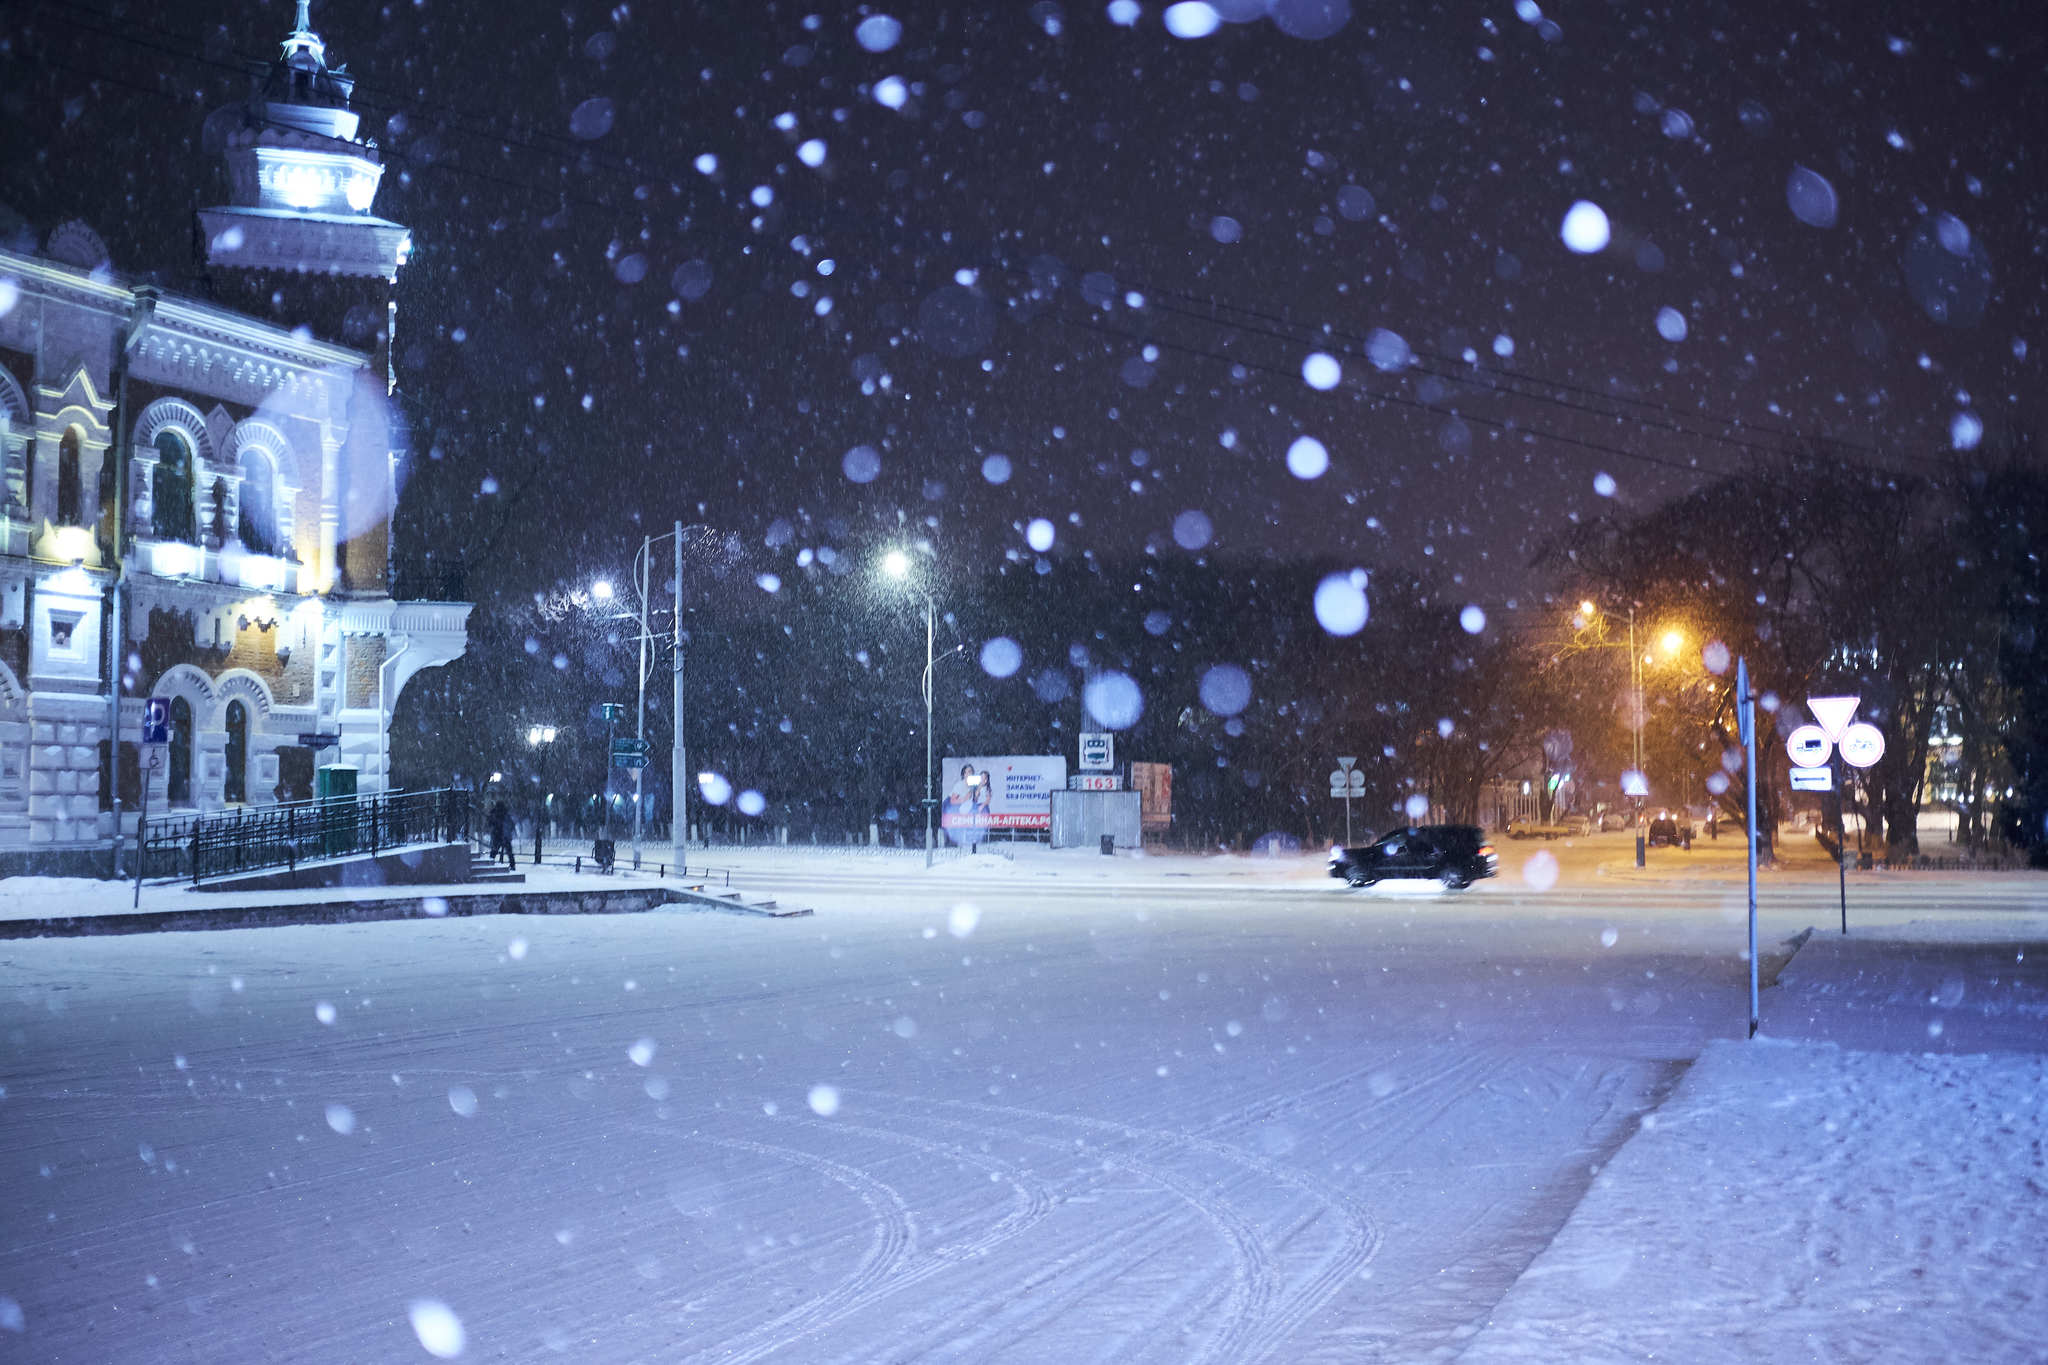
x: 198, y: 493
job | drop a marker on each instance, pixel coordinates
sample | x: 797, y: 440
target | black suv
x: 1456, y: 855
x: 1669, y: 831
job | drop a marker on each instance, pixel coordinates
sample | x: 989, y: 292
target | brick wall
x: 365, y: 657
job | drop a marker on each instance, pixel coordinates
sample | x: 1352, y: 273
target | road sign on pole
x: 1809, y: 746
x: 1815, y: 779
x: 156, y: 720
x: 1346, y: 782
x: 1862, y: 745
x: 626, y: 744
x: 1833, y: 714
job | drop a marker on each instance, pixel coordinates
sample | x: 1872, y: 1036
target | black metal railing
x: 250, y: 839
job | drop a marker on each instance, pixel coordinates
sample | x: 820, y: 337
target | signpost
x: 1745, y: 722
x: 630, y: 753
x: 1860, y: 744
x: 1347, y: 782
x: 156, y: 732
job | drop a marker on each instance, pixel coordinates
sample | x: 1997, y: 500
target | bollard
x: 536, y: 843
x: 1639, y: 850
x: 1109, y: 845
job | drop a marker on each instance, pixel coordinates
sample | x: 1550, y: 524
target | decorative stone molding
x: 239, y: 684
x: 173, y: 414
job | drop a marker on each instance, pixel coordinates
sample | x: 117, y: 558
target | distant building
x: 198, y: 492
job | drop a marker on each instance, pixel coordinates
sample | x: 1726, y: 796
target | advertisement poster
x: 1004, y: 791
x: 1154, y: 784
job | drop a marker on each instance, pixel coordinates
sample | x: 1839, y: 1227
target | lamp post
x: 541, y: 738
x: 896, y: 564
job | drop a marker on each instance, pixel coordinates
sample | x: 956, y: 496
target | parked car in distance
x: 1577, y: 825
x: 1670, y: 830
x: 1455, y: 855
x: 1538, y: 829
x: 1614, y: 817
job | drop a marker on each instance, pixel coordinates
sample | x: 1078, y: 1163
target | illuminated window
x: 70, y: 488
x: 257, y: 516
x: 171, y: 489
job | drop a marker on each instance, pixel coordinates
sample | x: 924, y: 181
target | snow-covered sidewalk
x: 1830, y: 1190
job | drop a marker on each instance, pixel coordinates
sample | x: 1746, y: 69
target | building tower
x: 298, y: 245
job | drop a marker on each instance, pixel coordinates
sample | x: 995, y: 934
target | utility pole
x: 640, y: 709
x: 678, y: 764
x: 929, y: 684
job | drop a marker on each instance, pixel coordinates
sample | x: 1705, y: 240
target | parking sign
x: 156, y: 720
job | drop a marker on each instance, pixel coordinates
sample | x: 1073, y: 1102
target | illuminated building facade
x: 198, y: 492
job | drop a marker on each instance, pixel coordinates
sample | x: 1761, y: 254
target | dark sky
x: 598, y: 330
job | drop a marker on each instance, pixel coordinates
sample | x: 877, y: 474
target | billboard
x: 1002, y: 791
x: 1154, y: 782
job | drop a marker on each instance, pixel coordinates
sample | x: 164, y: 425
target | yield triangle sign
x: 1833, y: 714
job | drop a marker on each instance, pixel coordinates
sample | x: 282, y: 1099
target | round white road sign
x: 1810, y: 746
x: 1862, y: 744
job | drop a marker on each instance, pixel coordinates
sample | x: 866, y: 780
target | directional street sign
x: 1813, y: 779
x: 629, y: 760
x: 1862, y: 745
x: 1809, y: 747
x: 626, y: 745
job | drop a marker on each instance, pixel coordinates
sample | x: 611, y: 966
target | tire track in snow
x: 893, y: 1240
x: 1247, y: 1301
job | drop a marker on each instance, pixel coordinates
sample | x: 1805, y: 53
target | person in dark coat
x: 501, y: 835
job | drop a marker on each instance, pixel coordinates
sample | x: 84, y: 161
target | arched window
x: 70, y: 485
x: 258, y: 513
x: 171, y: 491
x: 238, y: 752
x: 180, y: 786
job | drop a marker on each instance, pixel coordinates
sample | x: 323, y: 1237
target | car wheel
x: 1356, y: 878
x: 1453, y: 879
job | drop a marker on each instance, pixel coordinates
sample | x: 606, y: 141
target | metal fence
x: 250, y: 839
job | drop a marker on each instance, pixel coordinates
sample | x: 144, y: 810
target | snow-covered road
x: 1165, y: 1112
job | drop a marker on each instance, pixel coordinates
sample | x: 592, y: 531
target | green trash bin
x: 335, y: 787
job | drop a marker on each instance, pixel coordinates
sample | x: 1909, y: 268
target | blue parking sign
x: 156, y: 721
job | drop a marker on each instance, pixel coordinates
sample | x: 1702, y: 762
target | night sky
x: 1104, y: 252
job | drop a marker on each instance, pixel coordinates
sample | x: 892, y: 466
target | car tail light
x: 1486, y: 850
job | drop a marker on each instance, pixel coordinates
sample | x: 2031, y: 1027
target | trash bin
x: 1108, y: 845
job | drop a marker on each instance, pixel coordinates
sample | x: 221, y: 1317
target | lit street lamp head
x: 896, y: 564
x: 601, y: 590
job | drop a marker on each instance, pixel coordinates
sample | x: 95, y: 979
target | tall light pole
x: 897, y: 565
x: 678, y: 765
x: 541, y: 739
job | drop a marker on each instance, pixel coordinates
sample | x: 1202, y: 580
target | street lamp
x: 541, y: 738
x: 897, y: 565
